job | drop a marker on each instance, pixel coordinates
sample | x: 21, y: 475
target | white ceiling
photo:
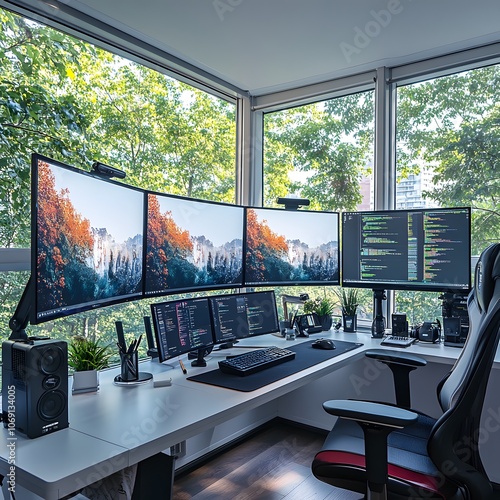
x: 262, y: 46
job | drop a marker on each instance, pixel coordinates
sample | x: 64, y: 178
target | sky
x: 119, y: 209
x: 313, y: 228
x: 217, y: 222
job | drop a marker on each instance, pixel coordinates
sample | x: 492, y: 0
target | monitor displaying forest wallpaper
x: 192, y: 245
x: 88, y: 236
x: 291, y: 247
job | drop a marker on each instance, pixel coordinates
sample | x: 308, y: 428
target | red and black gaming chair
x: 386, y: 451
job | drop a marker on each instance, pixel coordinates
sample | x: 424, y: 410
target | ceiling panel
x: 264, y: 46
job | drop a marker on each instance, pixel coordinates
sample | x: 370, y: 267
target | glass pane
x: 322, y: 152
x: 76, y: 103
x: 447, y: 155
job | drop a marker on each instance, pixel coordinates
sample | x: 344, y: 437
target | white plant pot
x: 85, y: 381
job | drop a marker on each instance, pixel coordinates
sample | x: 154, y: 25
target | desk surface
x: 120, y: 426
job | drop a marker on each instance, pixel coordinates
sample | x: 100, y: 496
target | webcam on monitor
x: 293, y: 203
x: 107, y: 171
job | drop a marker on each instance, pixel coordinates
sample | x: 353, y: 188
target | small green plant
x: 349, y: 300
x: 85, y: 354
x: 321, y: 306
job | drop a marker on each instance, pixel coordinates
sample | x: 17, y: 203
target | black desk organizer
x: 306, y: 356
x: 129, y: 373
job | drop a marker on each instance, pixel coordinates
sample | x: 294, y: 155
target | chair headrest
x: 496, y: 268
x: 487, y: 271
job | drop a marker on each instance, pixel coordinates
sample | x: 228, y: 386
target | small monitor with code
x: 181, y: 326
x: 242, y: 315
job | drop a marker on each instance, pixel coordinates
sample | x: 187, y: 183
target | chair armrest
x: 402, y: 358
x: 372, y: 413
x: 401, y: 364
x: 377, y: 421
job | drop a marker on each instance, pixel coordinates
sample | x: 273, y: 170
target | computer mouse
x: 323, y: 344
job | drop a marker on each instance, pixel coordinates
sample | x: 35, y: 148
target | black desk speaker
x: 399, y: 325
x: 35, y: 386
x: 455, y: 334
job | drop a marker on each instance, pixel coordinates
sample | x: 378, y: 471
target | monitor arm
x: 378, y: 324
x: 20, y: 319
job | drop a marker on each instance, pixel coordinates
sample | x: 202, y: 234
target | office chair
x: 386, y: 451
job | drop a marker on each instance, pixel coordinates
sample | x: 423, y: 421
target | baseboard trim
x: 198, y: 462
x: 302, y: 425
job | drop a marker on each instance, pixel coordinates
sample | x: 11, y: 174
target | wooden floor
x: 273, y: 464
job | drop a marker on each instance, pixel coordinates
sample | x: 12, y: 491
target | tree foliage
x: 320, y: 151
x: 34, y: 114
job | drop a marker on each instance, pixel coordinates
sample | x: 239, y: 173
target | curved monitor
x: 192, y: 245
x: 86, y: 242
x: 291, y: 247
x: 181, y: 326
x: 424, y: 249
x: 241, y: 315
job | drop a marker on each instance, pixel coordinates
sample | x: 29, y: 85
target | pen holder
x: 129, y: 366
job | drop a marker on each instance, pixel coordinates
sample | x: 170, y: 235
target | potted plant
x: 349, y: 302
x: 323, y: 308
x: 87, y: 357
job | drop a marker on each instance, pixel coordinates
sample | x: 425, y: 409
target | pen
x: 121, y: 336
x: 183, y: 368
x: 131, y: 347
x: 138, y: 342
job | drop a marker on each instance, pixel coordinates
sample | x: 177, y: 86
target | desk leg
x: 154, y: 478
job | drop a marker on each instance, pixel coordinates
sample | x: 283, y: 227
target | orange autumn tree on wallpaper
x: 291, y: 247
x: 65, y: 241
x: 192, y: 245
x: 167, y: 249
x: 266, y: 252
x: 86, y: 255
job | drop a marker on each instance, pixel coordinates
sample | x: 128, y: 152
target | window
x: 74, y: 102
x: 448, y: 153
x: 322, y: 152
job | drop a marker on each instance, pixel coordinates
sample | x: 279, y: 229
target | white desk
x: 121, y: 426
x: 58, y: 464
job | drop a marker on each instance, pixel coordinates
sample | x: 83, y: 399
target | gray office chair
x: 387, y: 451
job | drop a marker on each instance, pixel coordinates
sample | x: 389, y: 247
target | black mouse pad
x: 306, y: 356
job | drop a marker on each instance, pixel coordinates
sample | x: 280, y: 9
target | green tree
x: 320, y: 152
x: 329, y: 144
x: 34, y: 115
x: 164, y: 134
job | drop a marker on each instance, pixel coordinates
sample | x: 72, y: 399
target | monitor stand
x: 199, y: 356
x: 378, y: 324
